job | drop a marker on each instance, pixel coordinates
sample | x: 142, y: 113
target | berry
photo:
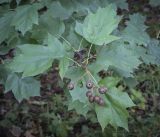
x: 88, y: 93
x: 97, y: 99
x: 70, y: 86
x: 102, y: 90
x: 91, y: 99
x: 89, y: 84
x: 101, y: 102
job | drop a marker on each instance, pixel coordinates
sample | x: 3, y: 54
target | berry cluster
x: 96, y: 99
x: 91, y: 97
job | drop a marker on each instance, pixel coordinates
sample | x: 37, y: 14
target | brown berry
x: 88, y: 93
x: 102, y: 90
x: 70, y: 86
x: 97, y: 99
x: 91, y: 99
x: 101, y: 102
x: 89, y: 84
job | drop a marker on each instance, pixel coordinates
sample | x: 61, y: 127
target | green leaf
x: 79, y: 93
x: 22, y: 88
x: 63, y: 67
x: 154, y: 51
x: 58, y: 11
x: 25, y: 17
x: 114, y: 112
x: 5, y: 27
x: 154, y: 2
x: 110, y: 82
x: 120, y: 3
x: 35, y: 59
x: 135, y: 32
x: 3, y: 73
x: 119, y: 57
x: 75, y: 73
x: 81, y: 108
x: 47, y: 24
x: 97, y: 28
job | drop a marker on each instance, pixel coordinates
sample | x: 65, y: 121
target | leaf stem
x: 74, y: 61
x: 80, y: 44
x: 68, y: 43
x: 86, y: 60
x: 88, y: 72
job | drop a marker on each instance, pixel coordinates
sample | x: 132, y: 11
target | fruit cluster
x: 91, y: 97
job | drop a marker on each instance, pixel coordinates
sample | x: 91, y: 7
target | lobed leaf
x: 97, y: 28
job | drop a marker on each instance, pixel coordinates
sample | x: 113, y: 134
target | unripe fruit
x: 91, y: 99
x: 97, y: 99
x: 88, y: 94
x: 101, y: 102
x: 102, y: 90
x: 70, y: 86
x: 89, y: 84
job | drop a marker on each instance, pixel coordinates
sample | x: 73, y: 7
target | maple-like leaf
x: 47, y: 24
x: 5, y: 26
x: 97, y: 28
x: 35, y: 59
x: 63, y: 67
x: 59, y: 11
x: 114, y: 112
x: 81, y: 108
x: 135, y: 32
x: 118, y: 57
x: 22, y: 88
x: 25, y: 17
x: 119, y: 3
x: 79, y: 93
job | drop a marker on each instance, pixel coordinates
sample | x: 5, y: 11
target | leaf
x: 79, y: 93
x: 3, y: 73
x: 58, y: 11
x: 5, y: 27
x: 75, y: 39
x: 110, y: 82
x: 135, y: 32
x: 120, y: 3
x: 114, y: 112
x: 47, y: 24
x: 25, y: 17
x: 97, y: 28
x: 154, y: 2
x: 119, y: 57
x: 63, y: 67
x: 75, y: 73
x: 138, y: 97
x: 22, y: 88
x: 81, y: 108
x: 154, y: 51
x: 35, y: 59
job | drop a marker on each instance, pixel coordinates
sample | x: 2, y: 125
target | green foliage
x: 85, y: 38
x: 135, y: 32
x: 154, y: 2
x: 79, y: 94
x: 115, y: 112
x: 5, y: 26
x: 97, y: 28
x: 22, y: 88
x: 119, y: 57
x: 39, y: 58
x: 81, y: 108
x: 25, y: 17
